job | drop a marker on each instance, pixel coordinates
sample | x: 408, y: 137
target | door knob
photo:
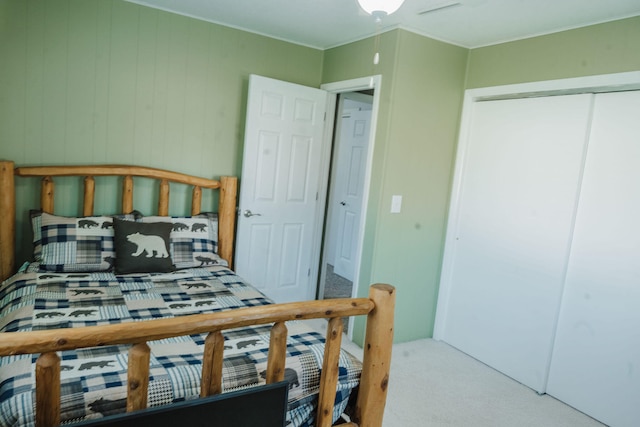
x: 343, y: 203
x: 249, y: 214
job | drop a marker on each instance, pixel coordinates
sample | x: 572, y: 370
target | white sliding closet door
x: 510, y: 230
x: 596, y: 358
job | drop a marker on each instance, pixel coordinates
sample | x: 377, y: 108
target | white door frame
x: 589, y: 84
x: 334, y: 88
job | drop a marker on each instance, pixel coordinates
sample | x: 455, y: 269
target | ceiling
x: 323, y: 24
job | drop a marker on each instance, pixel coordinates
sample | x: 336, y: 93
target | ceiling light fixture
x: 380, y: 8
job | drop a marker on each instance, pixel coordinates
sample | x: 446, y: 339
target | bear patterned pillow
x: 69, y: 244
x: 194, y: 239
x: 142, y: 247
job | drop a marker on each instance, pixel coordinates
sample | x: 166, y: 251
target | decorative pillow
x: 194, y: 239
x: 68, y: 244
x: 142, y: 247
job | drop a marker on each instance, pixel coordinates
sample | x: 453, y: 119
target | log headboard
x: 226, y: 201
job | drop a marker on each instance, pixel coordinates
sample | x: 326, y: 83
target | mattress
x: 93, y: 381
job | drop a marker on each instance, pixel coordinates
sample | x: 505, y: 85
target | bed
x: 124, y: 311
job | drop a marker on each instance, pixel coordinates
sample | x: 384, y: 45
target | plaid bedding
x: 93, y: 381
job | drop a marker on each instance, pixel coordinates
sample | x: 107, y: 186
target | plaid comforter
x: 93, y: 381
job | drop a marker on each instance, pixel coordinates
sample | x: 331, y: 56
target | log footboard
x: 372, y: 393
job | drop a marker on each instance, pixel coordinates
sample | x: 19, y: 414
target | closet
x: 541, y: 274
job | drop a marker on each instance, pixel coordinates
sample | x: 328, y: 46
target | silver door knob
x: 249, y: 214
x: 343, y: 203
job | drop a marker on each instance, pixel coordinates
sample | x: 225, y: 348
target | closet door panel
x: 596, y: 358
x: 508, y: 244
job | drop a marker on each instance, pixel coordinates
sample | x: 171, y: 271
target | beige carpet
x: 336, y: 286
x: 433, y: 384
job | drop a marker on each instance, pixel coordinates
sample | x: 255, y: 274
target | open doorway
x: 348, y: 188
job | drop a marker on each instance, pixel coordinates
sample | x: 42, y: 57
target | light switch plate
x: 396, y: 203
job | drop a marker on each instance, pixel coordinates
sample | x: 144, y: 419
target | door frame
x: 353, y: 85
x: 589, y: 84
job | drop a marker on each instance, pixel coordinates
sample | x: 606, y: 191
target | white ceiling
x: 324, y: 24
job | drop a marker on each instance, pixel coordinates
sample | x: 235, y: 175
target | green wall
x: 106, y: 81
x: 422, y: 88
x: 417, y: 133
x: 612, y: 47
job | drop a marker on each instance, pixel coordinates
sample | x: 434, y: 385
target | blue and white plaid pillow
x: 193, y: 239
x: 67, y: 244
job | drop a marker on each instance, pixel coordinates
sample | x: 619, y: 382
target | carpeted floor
x: 336, y: 286
x: 433, y: 384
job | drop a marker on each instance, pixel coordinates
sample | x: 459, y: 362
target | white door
x: 510, y: 230
x: 281, y: 173
x: 349, y: 186
x: 596, y: 360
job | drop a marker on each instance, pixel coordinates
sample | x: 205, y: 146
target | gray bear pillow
x: 142, y: 247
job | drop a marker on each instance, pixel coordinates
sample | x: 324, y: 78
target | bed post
x: 372, y: 394
x: 7, y: 219
x: 227, y: 217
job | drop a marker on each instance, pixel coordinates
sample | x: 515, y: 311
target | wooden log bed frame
x: 379, y: 308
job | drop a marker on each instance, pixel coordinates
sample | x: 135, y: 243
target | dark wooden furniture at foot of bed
x: 379, y: 308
